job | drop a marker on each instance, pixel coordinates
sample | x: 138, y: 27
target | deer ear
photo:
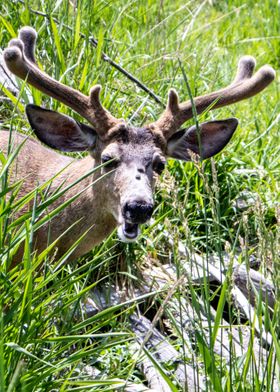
x: 214, y: 136
x: 60, y: 131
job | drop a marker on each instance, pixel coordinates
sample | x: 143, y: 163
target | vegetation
x: 227, y: 204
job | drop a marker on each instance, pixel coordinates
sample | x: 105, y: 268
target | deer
x: 128, y: 159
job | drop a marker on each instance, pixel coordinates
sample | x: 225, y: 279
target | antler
x: 245, y: 85
x: 20, y: 60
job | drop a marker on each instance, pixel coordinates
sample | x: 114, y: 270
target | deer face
x: 133, y: 160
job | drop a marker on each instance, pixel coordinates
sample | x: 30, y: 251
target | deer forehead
x: 128, y: 141
x: 125, y: 134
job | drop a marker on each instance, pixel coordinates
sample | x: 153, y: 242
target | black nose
x: 138, y: 211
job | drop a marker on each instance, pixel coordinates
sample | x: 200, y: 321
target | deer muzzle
x: 134, y: 213
x: 137, y: 212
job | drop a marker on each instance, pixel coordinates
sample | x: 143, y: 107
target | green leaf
x: 22, y: 350
x: 57, y: 44
x: 219, y: 312
x: 77, y: 25
x: 160, y: 369
x: 99, y: 47
x: 14, y: 99
x: 209, y: 362
x: 8, y: 26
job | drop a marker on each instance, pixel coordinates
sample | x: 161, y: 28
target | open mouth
x: 128, y: 232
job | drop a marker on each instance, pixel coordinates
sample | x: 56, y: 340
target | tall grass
x: 47, y: 341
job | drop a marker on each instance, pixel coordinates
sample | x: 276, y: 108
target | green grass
x: 46, y: 339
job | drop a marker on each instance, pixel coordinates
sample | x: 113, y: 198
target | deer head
x: 135, y: 154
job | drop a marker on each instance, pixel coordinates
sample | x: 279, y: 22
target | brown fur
x: 36, y: 164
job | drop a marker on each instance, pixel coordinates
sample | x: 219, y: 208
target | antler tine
x: 245, y: 69
x: 29, y: 37
x: 20, y: 60
x: 245, y: 85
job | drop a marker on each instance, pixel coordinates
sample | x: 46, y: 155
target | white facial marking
x: 123, y: 237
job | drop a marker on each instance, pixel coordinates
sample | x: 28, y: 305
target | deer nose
x: 138, y: 211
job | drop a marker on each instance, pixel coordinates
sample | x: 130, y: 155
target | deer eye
x: 158, y: 164
x: 110, y: 161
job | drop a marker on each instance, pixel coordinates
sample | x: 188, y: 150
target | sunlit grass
x: 46, y: 337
